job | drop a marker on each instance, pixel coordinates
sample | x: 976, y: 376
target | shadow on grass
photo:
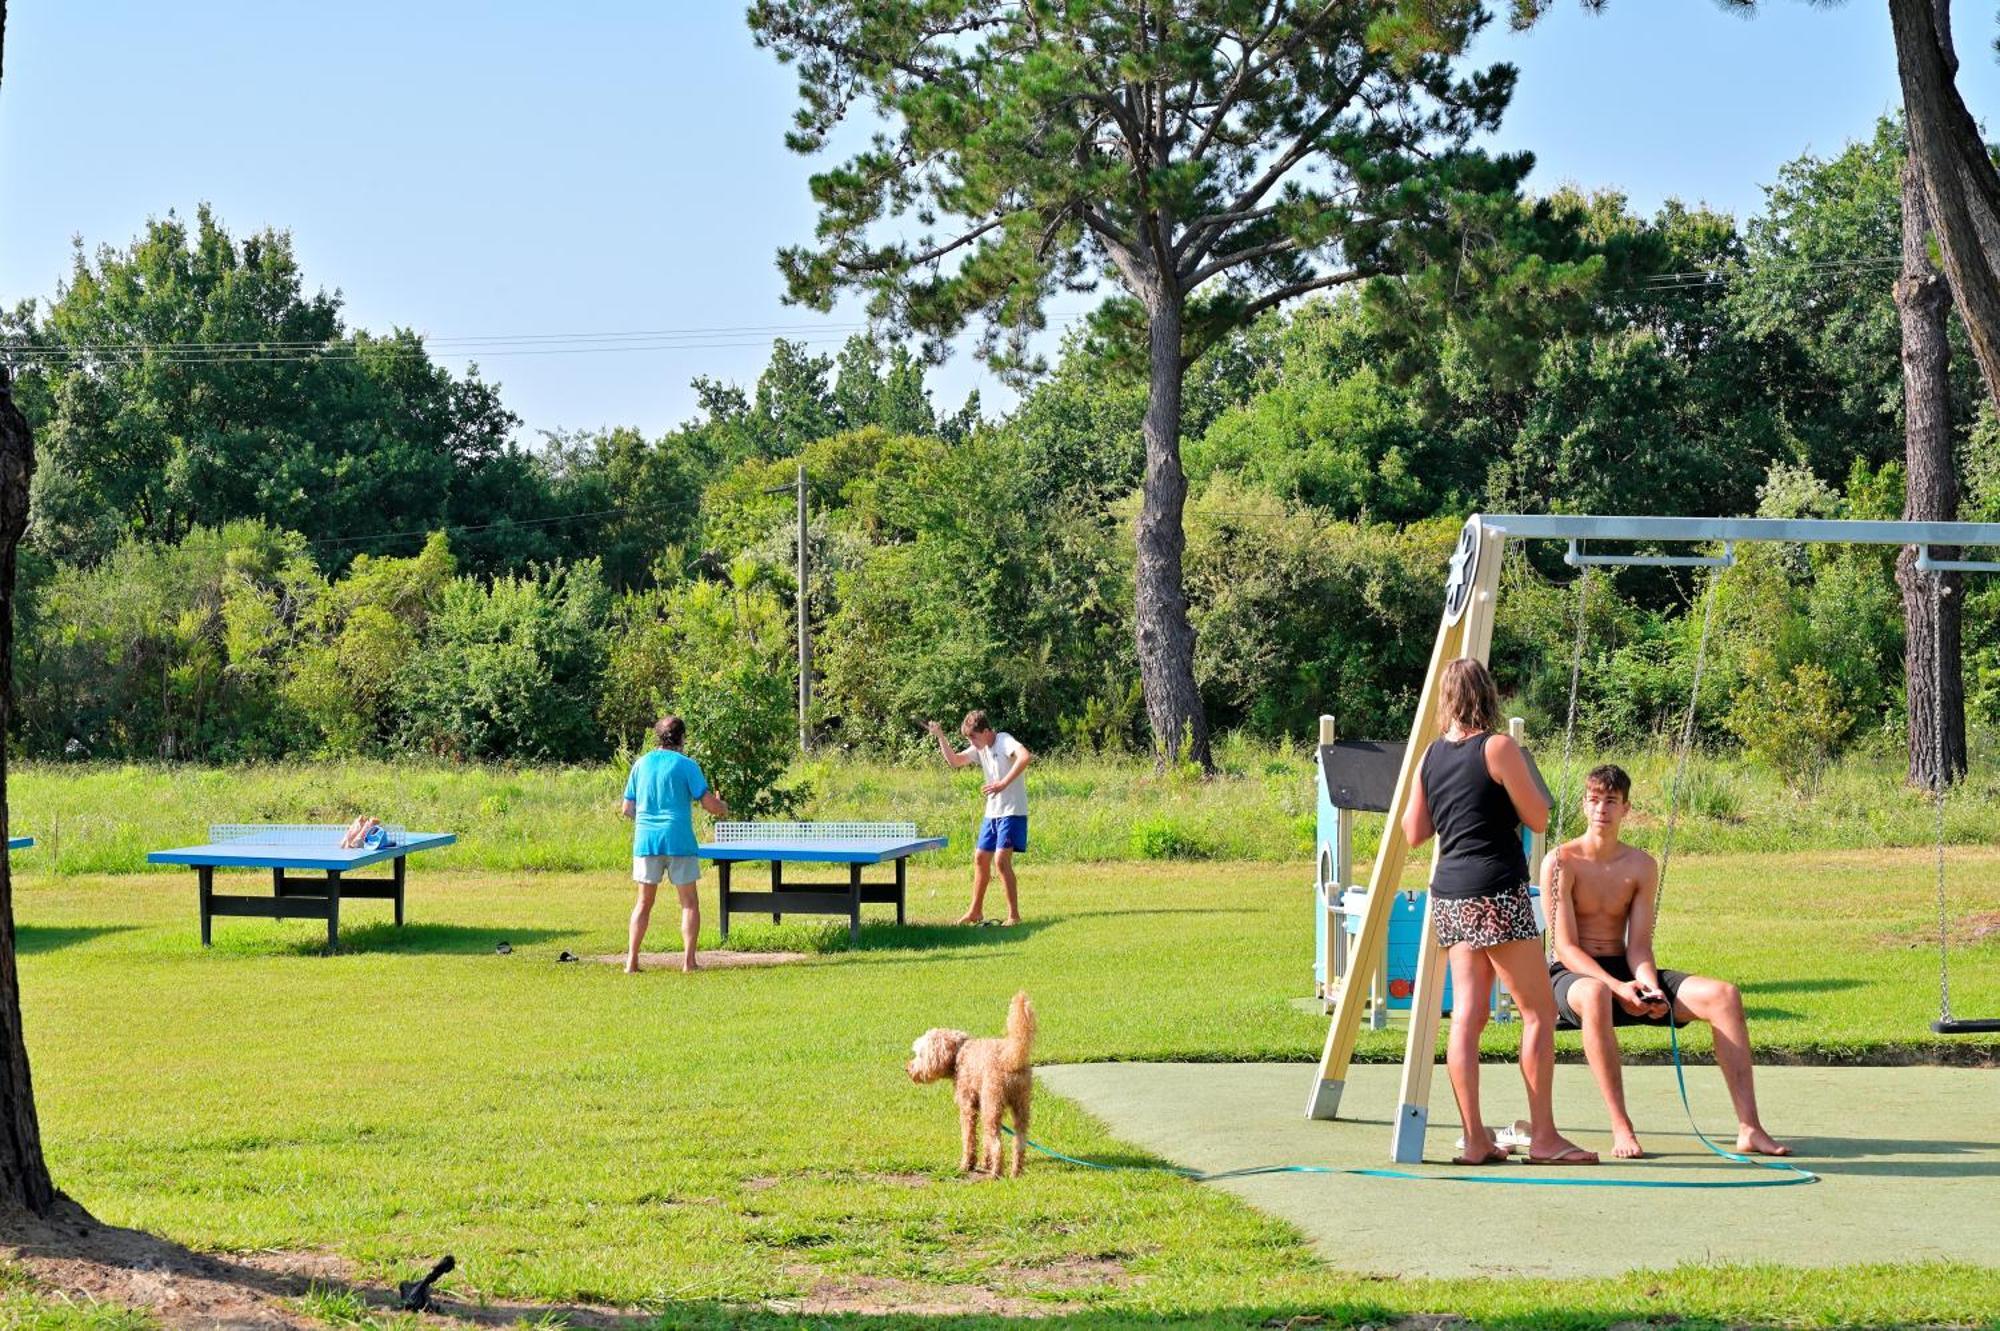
x: 447, y: 939
x: 928, y: 937
x: 831, y: 940
x: 1761, y: 1012
x: 55, y: 937
x: 1817, y: 985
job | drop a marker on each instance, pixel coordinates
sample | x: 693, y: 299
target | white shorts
x: 680, y: 870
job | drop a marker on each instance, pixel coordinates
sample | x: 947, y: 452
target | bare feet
x: 1013, y: 919
x: 1756, y: 1141
x: 971, y: 917
x: 689, y: 965
x: 1625, y: 1144
x: 1556, y: 1150
x: 631, y: 968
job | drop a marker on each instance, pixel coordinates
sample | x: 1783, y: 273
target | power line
x: 466, y: 528
x: 742, y: 337
x: 442, y: 339
x: 1723, y: 274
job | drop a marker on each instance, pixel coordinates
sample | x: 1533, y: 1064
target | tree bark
x: 1961, y: 184
x: 1923, y: 302
x: 1165, y: 635
x: 24, y: 1175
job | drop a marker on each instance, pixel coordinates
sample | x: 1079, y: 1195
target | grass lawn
x: 99, y: 818
x: 707, y: 1145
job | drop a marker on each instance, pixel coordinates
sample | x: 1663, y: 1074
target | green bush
x: 1164, y: 837
x: 733, y: 684
x: 1792, y: 721
x: 164, y: 651
x: 510, y: 669
x: 1296, y: 614
x: 741, y: 730
x: 352, y: 643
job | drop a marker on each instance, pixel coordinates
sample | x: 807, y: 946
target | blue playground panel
x: 1408, y: 917
x: 855, y: 845
x: 286, y: 849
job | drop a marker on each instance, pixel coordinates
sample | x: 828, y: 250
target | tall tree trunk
x: 24, y: 1175
x: 1961, y: 184
x: 1165, y: 636
x: 1923, y: 302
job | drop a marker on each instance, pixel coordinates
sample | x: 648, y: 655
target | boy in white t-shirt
x: 1004, y: 829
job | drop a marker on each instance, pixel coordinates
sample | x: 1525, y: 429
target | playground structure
x: 1466, y: 631
x: 1359, y: 776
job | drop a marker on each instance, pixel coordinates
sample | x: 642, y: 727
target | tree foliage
x: 1213, y: 159
x: 1590, y: 359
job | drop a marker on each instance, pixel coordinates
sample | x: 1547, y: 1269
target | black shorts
x: 1618, y: 968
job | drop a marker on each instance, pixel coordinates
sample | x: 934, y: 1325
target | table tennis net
x: 294, y: 834
x: 746, y: 833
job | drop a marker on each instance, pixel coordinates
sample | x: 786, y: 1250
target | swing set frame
x: 1472, y: 591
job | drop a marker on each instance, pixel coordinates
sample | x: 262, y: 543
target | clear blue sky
x: 508, y: 168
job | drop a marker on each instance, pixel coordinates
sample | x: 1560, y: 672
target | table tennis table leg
x: 900, y: 863
x: 722, y: 879
x: 332, y: 909
x: 777, y: 886
x: 205, y: 876
x: 400, y: 862
x: 854, y: 903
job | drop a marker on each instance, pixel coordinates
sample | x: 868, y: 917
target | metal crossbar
x: 1566, y: 527
x: 294, y: 834
x: 742, y: 833
x: 1929, y: 564
x: 1576, y: 558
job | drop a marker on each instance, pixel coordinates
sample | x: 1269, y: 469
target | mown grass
x: 103, y: 818
x: 703, y: 1146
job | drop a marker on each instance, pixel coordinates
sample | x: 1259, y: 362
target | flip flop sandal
x: 567, y: 955
x: 1499, y: 1155
x: 503, y: 948
x: 1515, y: 1135
x: 1574, y: 1155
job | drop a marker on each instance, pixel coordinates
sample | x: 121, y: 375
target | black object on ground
x: 413, y: 1296
x: 1967, y: 1026
x: 504, y: 947
x: 567, y: 955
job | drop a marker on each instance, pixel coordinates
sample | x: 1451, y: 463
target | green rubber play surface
x: 1909, y: 1160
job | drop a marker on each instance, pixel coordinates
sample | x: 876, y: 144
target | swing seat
x: 1968, y: 1026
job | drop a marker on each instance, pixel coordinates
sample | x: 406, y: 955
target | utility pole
x: 805, y: 634
x: 798, y: 489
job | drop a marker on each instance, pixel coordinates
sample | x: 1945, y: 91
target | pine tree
x: 1210, y: 159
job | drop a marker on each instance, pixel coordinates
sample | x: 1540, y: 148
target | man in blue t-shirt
x: 658, y: 798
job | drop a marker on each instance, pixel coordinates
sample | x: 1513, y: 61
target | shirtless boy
x: 1602, y: 892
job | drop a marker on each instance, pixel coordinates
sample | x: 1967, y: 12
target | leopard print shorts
x: 1504, y: 917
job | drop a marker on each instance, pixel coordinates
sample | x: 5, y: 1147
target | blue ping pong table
x: 856, y: 845
x: 286, y: 848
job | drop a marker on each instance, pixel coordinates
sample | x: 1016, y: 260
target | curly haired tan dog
x: 988, y: 1076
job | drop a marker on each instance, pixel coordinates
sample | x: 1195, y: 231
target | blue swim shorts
x: 1009, y: 833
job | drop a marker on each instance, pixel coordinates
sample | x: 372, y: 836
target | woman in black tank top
x: 1474, y: 792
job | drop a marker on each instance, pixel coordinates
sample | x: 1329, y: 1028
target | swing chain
x: 1569, y: 742
x: 1687, y: 742
x: 1940, y: 783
